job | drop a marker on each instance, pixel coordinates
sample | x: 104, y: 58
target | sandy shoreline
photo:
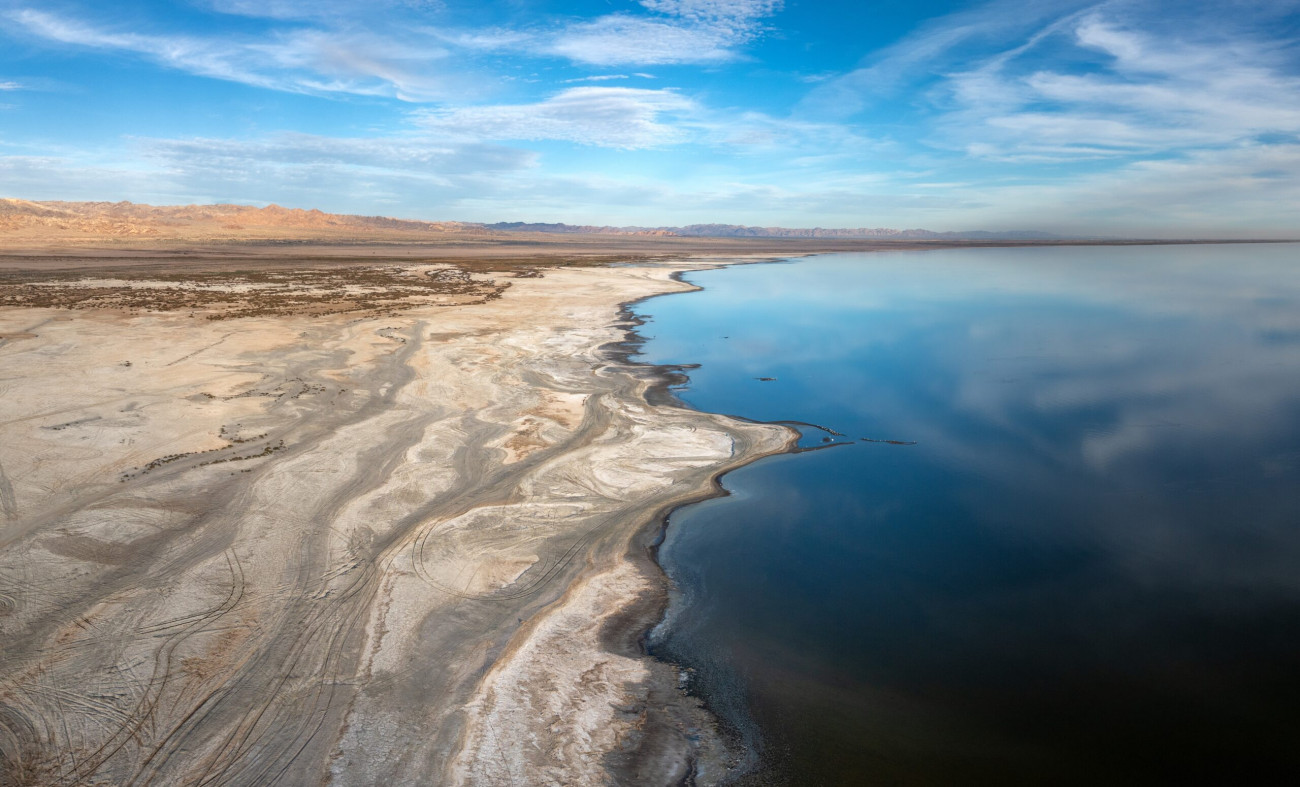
x: 346, y: 547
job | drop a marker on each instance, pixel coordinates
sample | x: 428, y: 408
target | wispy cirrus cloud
x: 1068, y: 80
x: 302, y: 168
x: 1244, y: 191
x: 72, y: 177
x: 10, y: 85
x: 317, y: 9
x: 936, y: 48
x: 1127, y: 114
x: 344, y: 47
x: 611, y: 117
x: 340, y: 174
x: 596, y: 78
x: 1144, y: 95
x: 680, y: 31
x: 303, y: 60
x: 661, y: 32
x: 1260, y: 182
x: 636, y: 119
x: 356, y: 176
x: 409, y: 153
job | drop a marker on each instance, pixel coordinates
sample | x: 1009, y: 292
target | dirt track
x: 352, y: 547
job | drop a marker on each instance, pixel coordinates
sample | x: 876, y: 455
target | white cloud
x: 406, y: 176
x: 1124, y: 117
x: 621, y: 39
x: 406, y: 154
x: 709, y: 10
x: 10, y: 86
x: 401, y: 176
x: 339, y: 46
x: 791, y: 142
x: 490, y: 39
x: 596, y: 78
x: 686, y: 31
x: 69, y: 178
x: 932, y: 50
x: 1247, y: 191
x: 315, y: 9
x: 297, y: 60
x: 674, y: 32
x: 612, y: 117
x: 1147, y: 95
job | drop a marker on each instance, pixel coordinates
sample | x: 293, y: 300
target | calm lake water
x: 1086, y: 570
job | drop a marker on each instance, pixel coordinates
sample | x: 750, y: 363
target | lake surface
x: 1085, y: 570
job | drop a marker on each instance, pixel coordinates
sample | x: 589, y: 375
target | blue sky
x: 1116, y: 118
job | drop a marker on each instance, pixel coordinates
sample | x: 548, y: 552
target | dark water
x: 1085, y: 571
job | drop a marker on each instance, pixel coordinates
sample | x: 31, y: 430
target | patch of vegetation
x: 225, y: 295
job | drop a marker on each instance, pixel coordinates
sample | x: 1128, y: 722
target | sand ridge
x: 353, y: 547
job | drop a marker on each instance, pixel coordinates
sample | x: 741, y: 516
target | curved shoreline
x: 671, y: 738
x: 650, y: 612
x: 349, y: 539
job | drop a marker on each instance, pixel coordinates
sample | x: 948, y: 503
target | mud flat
x: 345, y: 538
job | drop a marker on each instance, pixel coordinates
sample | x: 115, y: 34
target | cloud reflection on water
x: 1084, y: 565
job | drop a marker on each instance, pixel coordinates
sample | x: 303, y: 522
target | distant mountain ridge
x: 88, y: 220
x: 743, y: 231
x: 124, y: 219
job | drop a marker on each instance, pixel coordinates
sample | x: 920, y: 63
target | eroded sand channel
x: 304, y: 548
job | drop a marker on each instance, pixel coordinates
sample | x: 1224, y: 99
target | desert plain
x: 356, y: 524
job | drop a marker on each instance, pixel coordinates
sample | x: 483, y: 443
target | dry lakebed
x: 353, y: 524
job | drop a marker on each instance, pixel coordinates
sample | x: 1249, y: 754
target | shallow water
x: 1085, y: 570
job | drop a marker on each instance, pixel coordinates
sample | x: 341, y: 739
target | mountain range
x: 32, y: 220
x: 743, y: 231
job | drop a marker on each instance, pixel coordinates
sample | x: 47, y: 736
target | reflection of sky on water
x: 1106, y: 470
x: 1094, y: 359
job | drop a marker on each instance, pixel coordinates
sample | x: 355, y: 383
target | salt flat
x: 352, y: 539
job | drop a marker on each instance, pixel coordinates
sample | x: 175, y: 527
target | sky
x: 1117, y: 118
